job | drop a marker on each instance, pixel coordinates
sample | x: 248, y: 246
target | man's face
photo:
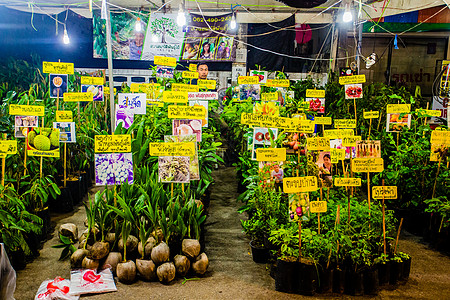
x: 139, y: 39
x: 202, y: 71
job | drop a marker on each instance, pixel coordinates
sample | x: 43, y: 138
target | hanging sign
x: 318, y: 143
x: 352, y: 79
x: 64, y: 116
x: 186, y: 112
x: 371, y: 114
x: 92, y: 80
x: 172, y: 149
x: 8, y: 147
x: 338, y: 133
x: 398, y: 108
x: 57, y: 67
x: 428, y: 112
x: 277, y: 82
x: 318, y: 206
x: 203, y: 95
x: 300, y: 184
x: 341, y: 181
x: 350, y: 141
x: 182, y: 87
x: 165, y: 61
x: 337, y: 154
x: 315, y: 93
x: 112, y: 143
x: 323, y: 120
x: 78, y: 97
x: 248, y: 80
x: 26, y: 110
x: 175, y: 97
x: 269, y: 96
x: 271, y: 154
x: 344, y: 123
x: 390, y: 192
x: 207, y: 84
x: 193, y: 67
x: 189, y: 75
x: 374, y: 165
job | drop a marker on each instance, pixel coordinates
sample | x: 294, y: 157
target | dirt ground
x: 232, y: 274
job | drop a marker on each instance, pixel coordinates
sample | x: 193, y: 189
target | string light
x: 66, y: 39
x: 233, y: 22
x: 181, y: 18
x: 138, y: 26
x: 347, y: 17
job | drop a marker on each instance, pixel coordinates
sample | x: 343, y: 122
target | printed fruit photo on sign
x: 261, y: 136
x: 293, y: 143
x: 316, y: 104
x: 395, y: 122
x: 43, y: 141
x: 353, y: 91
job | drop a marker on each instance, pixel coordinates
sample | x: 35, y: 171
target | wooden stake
x: 379, y: 121
x: 370, y: 127
x: 354, y: 103
x: 398, y: 235
x: 65, y: 164
x: 425, y: 119
x: 318, y: 222
x: 437, y: 174
x: 368, y: 190
x: 337, y: 222
x: 348, y: 208
x: 3, y: 164
x: 299, y: 238
x: 384, y: 223
x: 171, y: 190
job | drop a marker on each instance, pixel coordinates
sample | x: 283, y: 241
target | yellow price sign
x: 106, y: 90
x: 323, y: 120
x: 366, y: 165
x: 8, y: 147
x: 175, y: 97
x: 350, y: 141
x: 300, y: 184
x: 26, y: 110
x: 440, y: 137
x: 248, y: 80
x: 92, y: 80
x: 172, y: 149
x: 306, y: 126
x: 78, y: 97
x: 186, y: 112
x: 373, y: 114
x: 116, y: 143
x: 64, y: 116
x: 182, y: 87
x: 165, y: 61
x: 398, y: 108
x: 193, y: 67
x: 318, y: 206
x: 277, y: 82
x: 207, y: 84
x: 337, y: 155
x: 338, y: 133
x: 269, y: 96
x: 340, y: 181
x: 189, y: 75
x: 352, y: 79
x: 57, y: 67
x: 269, y: 121
x: 345, y: 123
x: 315, y: 93
x: 318, y: 144
x: 390, y: 192
x: 271, y: 154
x: 428, y: 112
x: 156, y: 103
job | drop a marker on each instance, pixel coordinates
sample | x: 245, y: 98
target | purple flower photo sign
x: 114, y: 168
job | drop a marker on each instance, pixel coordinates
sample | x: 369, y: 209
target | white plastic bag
x: 55, y: 289
x: 89, y: 281
x: 7, y: 276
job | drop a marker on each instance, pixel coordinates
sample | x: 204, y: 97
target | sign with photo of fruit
x: 353, y: 91
x: 43, y: 142
x: 261, y: 136
x: 22, y: 125
x: 96, y: 90
x: 66, y: 131
x: 261, y: 74
x: 316, y: 104
x: 395, y: 122
x: 298, y: 206
x: 187, y: 127
x: 58, y: 85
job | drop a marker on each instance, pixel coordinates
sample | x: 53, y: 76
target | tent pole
x: 110, y: 67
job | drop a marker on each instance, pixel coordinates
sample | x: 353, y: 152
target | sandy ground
x: 232, y: 273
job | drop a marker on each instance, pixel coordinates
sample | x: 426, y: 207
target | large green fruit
x: 54, y: 138
x: 31, y: 137
x: 41, y: 142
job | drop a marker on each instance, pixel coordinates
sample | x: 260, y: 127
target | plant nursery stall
x: 123, y: 114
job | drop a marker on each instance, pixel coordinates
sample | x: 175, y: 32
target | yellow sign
x: 350, y: 141
x: 248, y: 80
x: 157, y: 103
x: 318, y: 143
x: 375, y: 114
x: 323, y: 120
x: 338, y: 133
x: 92, y: 80
x: 428, y: 112
x: 193, y: 67
x: 315, y: 93
x: 51, y: 153
x: 175, y: 97
x: 172, y: 149
x: 440, y: 137
x: 345, y: 123
x: 165, y: 61
x: 186, y: 112
x: 189, y: 75
x: 106, y: 90
x: 117, y: 143
x: 26, y: 110
x: 390, y: 192
x: 398, y: 108
x: 340, y: 181
x: 57, y: 67
x: 269, y: 96
x: 306, y: 126
x: 8, y: 147
x: 78, y: 97
x: 64, y: 116
x: 318, y: 206
x: 271, y: 154
x: 269, y: 121
x: 182, y: 87
x: 207, y: 84
x: 277, y: 82
x: 337, y: 154
x: 300, y: 184
x: 352, y: 79
x: 367, y: 165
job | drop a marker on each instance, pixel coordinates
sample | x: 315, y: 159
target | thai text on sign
x: 371, y: 114
x: 78, y: 97
x: 306, y: 126
x: 337, y: 154
x: 248, y: 80
x: 193, y: 67
x: 269, y: 121
x: 172, y: 149
x: 186, y: 112
x: 57, y: 67
x: 8, y: 147
x: 64, y: 116
x: 189, y: 75
x: 318, y: 206
x: 428, y: 112
x: 165, y: 61
x: 175, y: 97
x: 318, y: 143
x: 116, y: 143
x: 350, y: 141
x: 323, y: 120
x: 269, y: 96
x: 440, y: 137
x: 315, y: 93
x: 92, y: 80
x: 340, y: 181
x: 182, y: 87
x: 26, y: 110
x: 203, y: 95
x: 390, y: 192
x: 367, y: 165
x: 277, y: 82
x: 338, y: 133
x: 398, y: 108
x: 271, y: 154
x: 352, y: 79
x: 207, y: 84
x: 300, y: 184
x: 345, y: 123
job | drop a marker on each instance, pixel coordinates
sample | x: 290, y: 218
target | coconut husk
x: 147, y: 269
x: 147, y: 249
x: 166, y: 272
x: 126, y: 272
x: 201, y: 264
x: 90, y: 263
x: 76, y: 259
x: 190, y: 247
x: 99, y: 250
x: 182, y: 264
x: 111, y: 261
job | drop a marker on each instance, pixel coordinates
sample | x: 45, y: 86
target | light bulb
x: 233, y: 22
x: 138, y: 26
x: 181, y: 18
x: 66, y: 39
x: 154, y: 38
x: 347, y: 17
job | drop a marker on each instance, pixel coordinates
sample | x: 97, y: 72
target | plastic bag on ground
x: 55, y: 289
x: 7, y: 276
x: 89, y: 281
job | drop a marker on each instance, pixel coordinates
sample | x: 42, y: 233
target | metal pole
x: 110, y: 67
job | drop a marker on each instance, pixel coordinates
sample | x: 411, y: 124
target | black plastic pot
x: 83, y: 184
x: 406, y: 269
x: 326, y: 280
x: 384, y: 273
x: 338, y: 281
x: 44, y: 214
x: 64, y: 202
x: 354, y: 282
x: 308, y: 279
x: 75, y: 190
x: 259, y: 254
x: 286, y: 276
x: 396, y: 271
x: 371, y: 283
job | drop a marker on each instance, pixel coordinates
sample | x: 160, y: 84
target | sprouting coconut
x: 147, y: 269
x: 99, y: 250
x: 132, y: 243
x: 201, y: 264
x: 90, y: 263
x: 190, y: 247
x: 146, y: 251
x: 111, y: 261
x: 182, y: 264
x: 160, y: 253
x: 166, y: 272
x: 126, y: 271
x: 76, y: 260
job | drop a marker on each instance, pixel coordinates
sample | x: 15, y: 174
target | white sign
x: 203, y: 96
x: 137, y: 102
x: 440, y: 104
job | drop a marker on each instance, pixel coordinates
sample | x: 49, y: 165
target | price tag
x: 269, y: 121
x: 165, y: 61
x: 186, y: 112
x: 306, y: 126
x: 428, y: 112
x: 175, y: 97
x: 390, y: 192
x: 440, y: 137
x: 64, y: 116
x: 181, y: 87
x: 26, y: 110
x: 78, y: 97
x: 338, y: 133
x: 318, y: 206
x: 106, y: 90
x: 172, y: 149
x: 8, y: 147
x: 339, y: 181
x: 269, y: 96
x: 300, y: 184
x: 193, y: 67
x: 371, y: 114
x: 318, y: 143
x: 345, y: 123
x: 57, y: 67
x: 207, y: 84
x: 189, y: 75
x: 352, y: 79
x: 315, y: 93
x: 92, y: 80
x: 271, y: 154
x: 350, y: 141
x: 398, y: 108
x: 277, y: 82
x: 203, y: 95
x: 116, y: 143
x: 373, y: 165
x: 337, y: 155
x: 323, y: 120
x: 248, y: 80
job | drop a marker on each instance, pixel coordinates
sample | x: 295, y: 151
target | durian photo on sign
x: 43, y: 142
